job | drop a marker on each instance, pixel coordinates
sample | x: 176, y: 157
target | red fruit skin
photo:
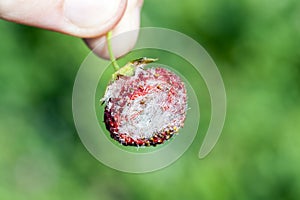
x: 145, y: 109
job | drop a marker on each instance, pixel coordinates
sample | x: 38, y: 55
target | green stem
x: 111, y: 55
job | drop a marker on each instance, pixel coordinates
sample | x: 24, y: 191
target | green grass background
x: 254, y: 43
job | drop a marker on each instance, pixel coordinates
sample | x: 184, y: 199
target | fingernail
x: 90, y: 13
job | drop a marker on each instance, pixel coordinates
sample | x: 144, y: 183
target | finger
x: 88, y: 18
x: 126, y: 33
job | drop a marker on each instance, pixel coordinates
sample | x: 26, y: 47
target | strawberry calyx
x: 130, y: 67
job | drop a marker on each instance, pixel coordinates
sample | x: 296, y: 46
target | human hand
x: 89, y: 19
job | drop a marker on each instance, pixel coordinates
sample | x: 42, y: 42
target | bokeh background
x: 256, y: 47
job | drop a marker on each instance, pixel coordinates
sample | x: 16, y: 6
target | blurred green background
x: 254, y: 43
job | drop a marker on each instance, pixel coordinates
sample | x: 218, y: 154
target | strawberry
x: 144, y: 106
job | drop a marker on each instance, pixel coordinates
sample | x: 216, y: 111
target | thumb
x: 81, y: 18
x: 126, y: 32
